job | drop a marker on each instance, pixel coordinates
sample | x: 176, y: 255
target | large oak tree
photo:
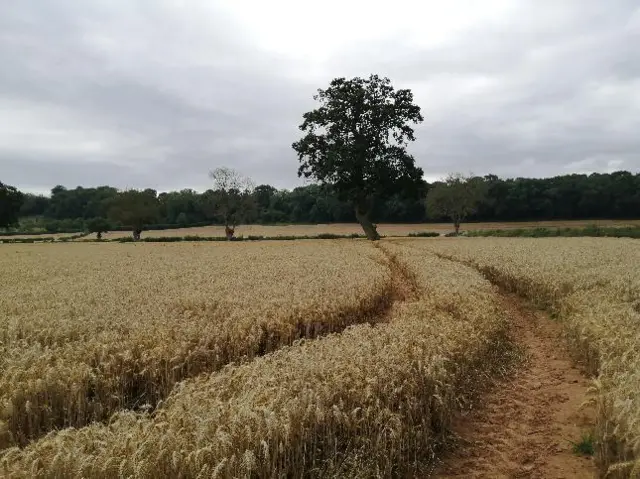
x: 356, y: 142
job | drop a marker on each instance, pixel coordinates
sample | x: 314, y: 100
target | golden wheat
x: 370, y: 401
x: 593, y: 285
x: 89, y: 329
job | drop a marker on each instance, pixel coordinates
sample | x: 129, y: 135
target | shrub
x: 424, y: 234
x: 539, y: 232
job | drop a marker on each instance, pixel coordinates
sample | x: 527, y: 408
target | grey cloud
x: 541, y: 111
x: 199, y: 112
x: 60, y: 170
x: 168, y: 93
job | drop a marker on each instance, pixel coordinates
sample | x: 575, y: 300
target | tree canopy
x: 135, y: 209
x: 97, y: 225
x: 457, y: 198
x: 10, y: 203
x: 356, y: 140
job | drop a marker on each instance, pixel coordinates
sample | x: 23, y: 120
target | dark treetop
x: 356, y: 140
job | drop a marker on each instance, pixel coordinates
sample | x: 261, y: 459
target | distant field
x: 349, y: 228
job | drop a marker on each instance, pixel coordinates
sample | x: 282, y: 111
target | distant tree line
x: 354, y: 148
x: 609, y: 195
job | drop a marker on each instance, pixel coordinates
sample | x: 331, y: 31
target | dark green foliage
x: 181, y: 208
x: 580, y: 197
x: 329, y: 236
x: 80, y: 202
x: 597, y: 231
x: 182, y: 220
x: 263, y: 195
x: 64, y: 226
x: 40, y: 239
x: 34, y: 205
x: 356, y: 140
x: 586, y: 445
x: 21, y: 233
x: 134, y: 209
x: 424, y: 234
x: 608, y: 195
x: 457, y: 198
x: 98, y: 226
x: 10, y: 203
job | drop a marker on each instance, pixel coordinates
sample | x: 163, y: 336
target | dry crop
x: 593, y: 286
x: 89, y: 329
x: 372, y: 400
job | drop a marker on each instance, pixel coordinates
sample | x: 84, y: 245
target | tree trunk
x: 99, y: 235
x: 368, y: 227
x: 229, y: 232
x: 136, y: 234
x: 456, y: 225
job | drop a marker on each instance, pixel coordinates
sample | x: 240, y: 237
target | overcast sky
x: 155, y: 93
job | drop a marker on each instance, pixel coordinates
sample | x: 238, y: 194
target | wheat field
x: 101, y: 327
x: 315, y: 358
x: 317, y: 407
x: 593, y: 286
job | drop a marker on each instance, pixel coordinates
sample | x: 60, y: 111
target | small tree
x: 98, y: 226
x: 134, y: 209
x: 233, y: 200
x: 456, y: 198
x: 356, y: 142
x: 10, y: 203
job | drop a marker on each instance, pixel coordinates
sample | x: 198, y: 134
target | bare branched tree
x: 233, y: 201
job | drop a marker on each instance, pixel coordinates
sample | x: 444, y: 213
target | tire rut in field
x: 524, y: 426
x: 401, y: 286
x: 137, y: 391
x: 404, y: 282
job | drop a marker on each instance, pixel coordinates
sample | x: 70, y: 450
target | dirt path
x: 524, y: 425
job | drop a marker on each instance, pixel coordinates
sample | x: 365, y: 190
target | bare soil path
x: 524, y: 426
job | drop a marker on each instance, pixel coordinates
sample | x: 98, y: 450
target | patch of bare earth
x: 524, y: 426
